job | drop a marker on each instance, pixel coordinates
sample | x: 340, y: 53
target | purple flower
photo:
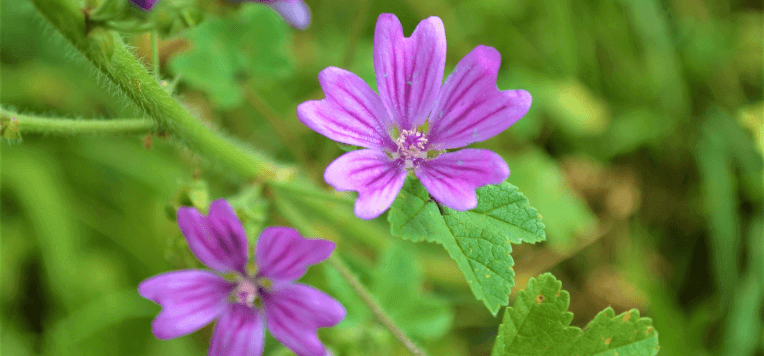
x: 295, y: 12
x: 146, y: 5
x: 414, y: 120
x: 191, y: 299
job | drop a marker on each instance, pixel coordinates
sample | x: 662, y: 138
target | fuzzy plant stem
x: 107, y: 52
x: 27, y: 124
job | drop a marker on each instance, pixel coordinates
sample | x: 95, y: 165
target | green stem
x: 27, y: 124
x: 288, y: 211
x: 107, y: 52
x: 372, y: 303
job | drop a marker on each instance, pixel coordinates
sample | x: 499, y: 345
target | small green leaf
x: 539, y: 324
x: 478, y: 240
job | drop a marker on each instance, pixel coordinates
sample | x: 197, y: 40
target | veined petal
x: 283, y: 255
x: 470, y: 107
x: 295, y: 12
x: 409, y: 70
x: 238, y: 332
x: 217, y: 240
x: 375, y: 177
x: 190, y: 299
x: 294, y: 313
x: 452, y: 178
x: 352, y: 113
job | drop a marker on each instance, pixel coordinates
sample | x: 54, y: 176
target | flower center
x: 411, y: 147
x: 250, y: 291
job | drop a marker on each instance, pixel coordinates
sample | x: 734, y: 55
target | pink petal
x: 295, y: 12
x: 217, y: 240
x: 409, y: 70
x: 352, y: 113
x: 283, y: 255
x: 294, y: 313
x: 375, y: 177
x: 452, y: 178
x: 470, y: 108
x: 190, y: 299
x: 239, y: 332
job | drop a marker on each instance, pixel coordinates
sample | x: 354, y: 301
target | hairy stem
x: 27, y: 124
x: 107, y: 52
x: 288, y: 211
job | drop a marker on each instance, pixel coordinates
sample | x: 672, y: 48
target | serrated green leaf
x: 539, y: 324
x: 505, y: 212
x: 227, y: 51
x: 478, y: 240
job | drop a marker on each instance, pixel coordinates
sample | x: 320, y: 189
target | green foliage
x: 669, y: 93
x: 397, y: 285
x: 396, y: 282
x: 539, y: 324
x: 478, y: 240
x: 227, y: 52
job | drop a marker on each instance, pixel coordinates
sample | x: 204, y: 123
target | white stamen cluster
x: 411, y: 145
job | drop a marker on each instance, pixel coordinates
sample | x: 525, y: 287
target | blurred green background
x: 642, y: 151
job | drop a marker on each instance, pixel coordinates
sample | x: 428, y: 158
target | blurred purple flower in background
x: 145, y: 4
x: 295, y: 12
x: 413, y: 120
x: 191, y: 299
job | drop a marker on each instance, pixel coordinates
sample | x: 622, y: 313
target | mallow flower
x: 295, y: 12
x: 244, y: 307
x: 414, y: 120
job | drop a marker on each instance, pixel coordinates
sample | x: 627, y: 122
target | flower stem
x: 372, y: 303
x: 27, y: 124
x: 108, y: 53
x: 290, y: 212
